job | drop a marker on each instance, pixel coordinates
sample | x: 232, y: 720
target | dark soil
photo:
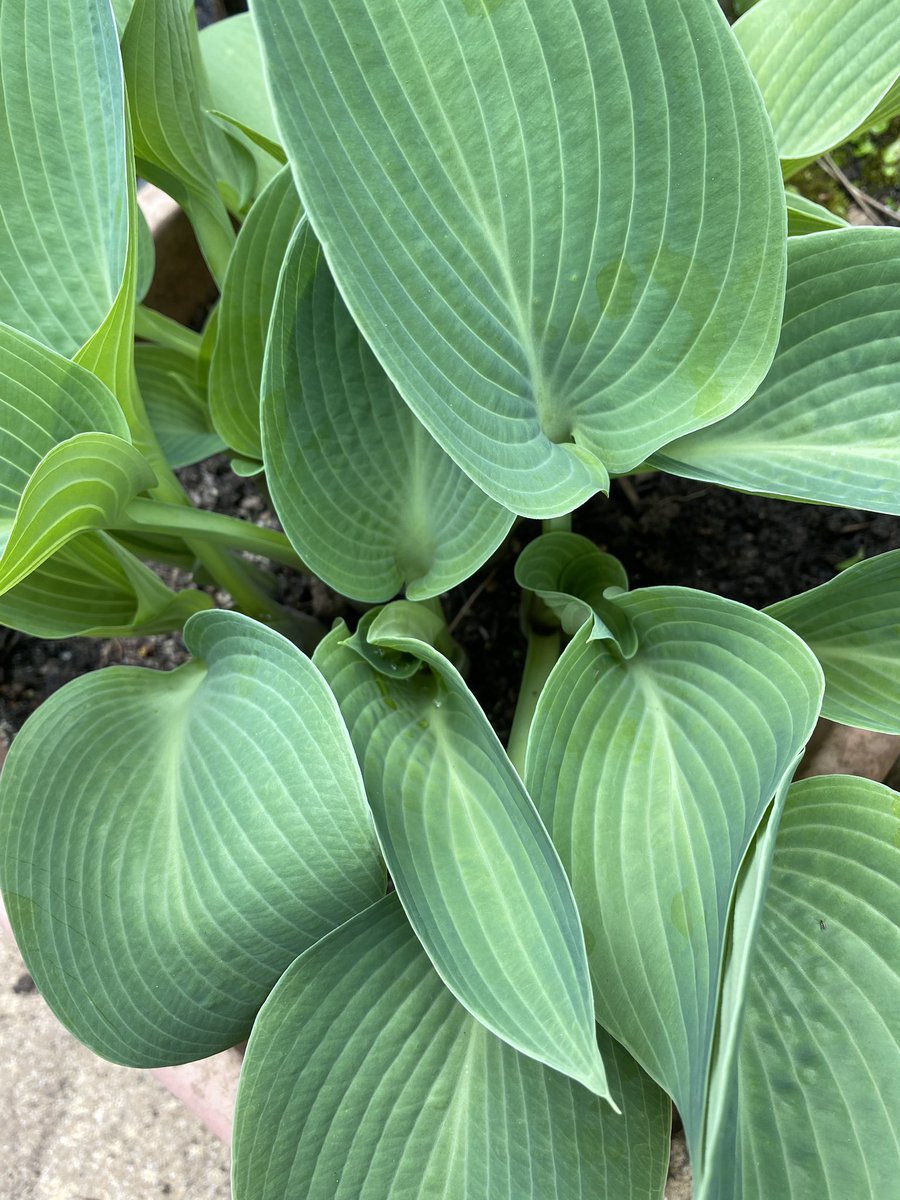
x: 665, y: 530
x: 209, y: 11
x: 31, y: 670
x: 669, y: 531
x: 748, y: 548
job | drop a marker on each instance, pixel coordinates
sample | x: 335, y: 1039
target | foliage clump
x: 476, y: 260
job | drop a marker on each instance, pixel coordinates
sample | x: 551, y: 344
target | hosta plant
x: 476, y: 259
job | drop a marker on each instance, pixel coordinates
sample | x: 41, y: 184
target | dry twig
x: 870, y: 206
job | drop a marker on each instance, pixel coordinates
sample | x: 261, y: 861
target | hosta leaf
x: 368, y: 498
x: 67, y: 465
x: 805, y: 216
x: 820, y: 1056
x: 109, y: 352
x: 237, y: 85
x: 64, y: 229
x: 122, y: 11
x: 889, y: 107
x: 175, y: 839
x: 252, y: 138
x: 825, y: 69
x: 579, y: 583
x: 472, y: 864
x: 852, y: 624
x: 44, y: 400
x: 146, y: 257
x: 554, y: 278
x: 248, y: 294
x: 82, y: 484
x: 157, y: 547
x: 234, y: 164
x: 246, y: 468
x: 365, y: 1080
x: 825, y: 425
x: 652, y: 776
x: 207, y: 345
x: 720, y: 1135
x: 93, y: 587
x: 177, y: 407
x: 172, y: 134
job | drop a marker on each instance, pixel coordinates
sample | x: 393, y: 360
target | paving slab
x: 74, y: 1127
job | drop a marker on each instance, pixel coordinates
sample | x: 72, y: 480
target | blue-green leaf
x: 824, y: 425
x: 819, y: 1077
x: 653, y: 775
x: 174, y: 839
x: 173, y: 138
x: 64, y: 232
x: 178, y: 408
x: 369, y: 499
x: 365, y: 1080
x: 805, y: 216
x: 852, y: 624
x: 472, y: 863
x: 242, y: 323
x: 237, y: 86
x: 826, y: 69
x: 579, y: 583
x: 555, y: 278
x: 93, y: 587
x: 67, y: 466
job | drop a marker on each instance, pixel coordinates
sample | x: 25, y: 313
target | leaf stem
x: 561, y: 524
x: 207, y: 536
x: 544, y: 646
x: 154, y: 326
x: 184, y: 521
x: 215, y: 234
x: 254, y: 601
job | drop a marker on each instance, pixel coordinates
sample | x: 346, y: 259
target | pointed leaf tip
x: 496, y: 916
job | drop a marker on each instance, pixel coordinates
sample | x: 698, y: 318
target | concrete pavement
x: 73, y: 1127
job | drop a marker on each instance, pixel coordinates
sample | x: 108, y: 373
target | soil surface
x: 665, y: 530
x: 74, y: 1127
x: 668, y: 531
